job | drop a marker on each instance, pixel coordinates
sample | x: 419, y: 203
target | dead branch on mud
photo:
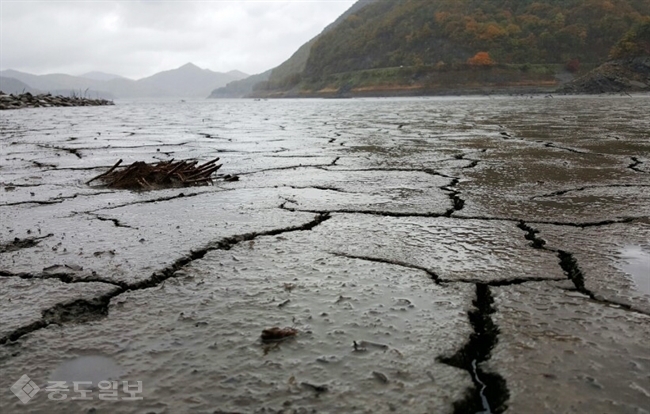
x: 164, y: 174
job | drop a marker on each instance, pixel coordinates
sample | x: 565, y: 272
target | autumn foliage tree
x: 573, y: 65
x: 481, y: 59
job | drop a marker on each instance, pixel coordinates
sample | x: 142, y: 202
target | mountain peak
x: 237, y: 74
x: 191, y: 66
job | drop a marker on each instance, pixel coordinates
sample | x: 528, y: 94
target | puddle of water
x: 94, y: 368
x: 636, y: 263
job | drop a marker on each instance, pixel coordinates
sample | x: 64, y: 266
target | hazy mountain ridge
x: 14, y: 86
x: 186, y: 81
x: 101, y: 76
x: 18, y: 82
x: 240, y: 88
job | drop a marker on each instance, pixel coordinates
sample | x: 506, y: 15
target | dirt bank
x: 630, y: 75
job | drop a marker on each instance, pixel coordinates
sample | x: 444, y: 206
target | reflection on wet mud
x: 635, y: 261
x: 88, y: 368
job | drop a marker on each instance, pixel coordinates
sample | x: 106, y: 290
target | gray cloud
x: 138, y: 38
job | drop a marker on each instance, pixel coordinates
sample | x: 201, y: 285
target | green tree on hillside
x: 635, y: 43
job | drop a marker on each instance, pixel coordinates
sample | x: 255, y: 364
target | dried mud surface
x: 438, y: 255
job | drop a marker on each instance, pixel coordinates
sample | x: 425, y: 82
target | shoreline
x: 27, y: 100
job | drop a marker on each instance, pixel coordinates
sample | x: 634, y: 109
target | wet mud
x: 445, y: 255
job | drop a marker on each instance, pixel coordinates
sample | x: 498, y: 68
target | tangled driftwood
x: 164, y: 174
x: 278, y: 334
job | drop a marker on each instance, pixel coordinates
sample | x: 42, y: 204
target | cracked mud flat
x: 486, y: 255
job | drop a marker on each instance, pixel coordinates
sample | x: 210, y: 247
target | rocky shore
x: 27, y: 100
x: 625, y: 75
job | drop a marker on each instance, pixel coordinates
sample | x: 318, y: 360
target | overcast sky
x: 137, y: 38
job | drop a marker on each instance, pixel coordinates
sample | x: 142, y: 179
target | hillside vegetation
x: 289, y: 72
x: 426, y: 32
x: 635, y: 43
x: 427, y: 44
x: 627, y: 71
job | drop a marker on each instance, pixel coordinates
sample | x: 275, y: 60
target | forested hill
x: 429, y: 32
x: 628, y: 71
x: 394, y: 47
x: 296, y: 63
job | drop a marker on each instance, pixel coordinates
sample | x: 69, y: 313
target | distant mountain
x: 189, y: 80
x: 11, y: 85
x: 186, y: 81
x: 419, y: 46
x: 60, y: 84
x: 240, y: 88
x: 238, y: 74
x: 47, y: 82
x: 101, y: 76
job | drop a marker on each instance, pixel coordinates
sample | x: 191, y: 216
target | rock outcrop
x: 628, y: 75
x: 27, y: 100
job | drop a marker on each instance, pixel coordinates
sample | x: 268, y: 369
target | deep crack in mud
x: 635, y: 165
x: 64, y: 277
x: 55, y: 200
x: 571, y: 190
x: 116, y: 222
x: 531, y: 234
x: 490, y: 393
x: 572, y: 150
x: 429, y: 272
x: 570, y: 266
x: 436, y: 246
x: 454, y: 195
x: 78, y: 311
x: 18, y: 244
x: 84, y: 310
